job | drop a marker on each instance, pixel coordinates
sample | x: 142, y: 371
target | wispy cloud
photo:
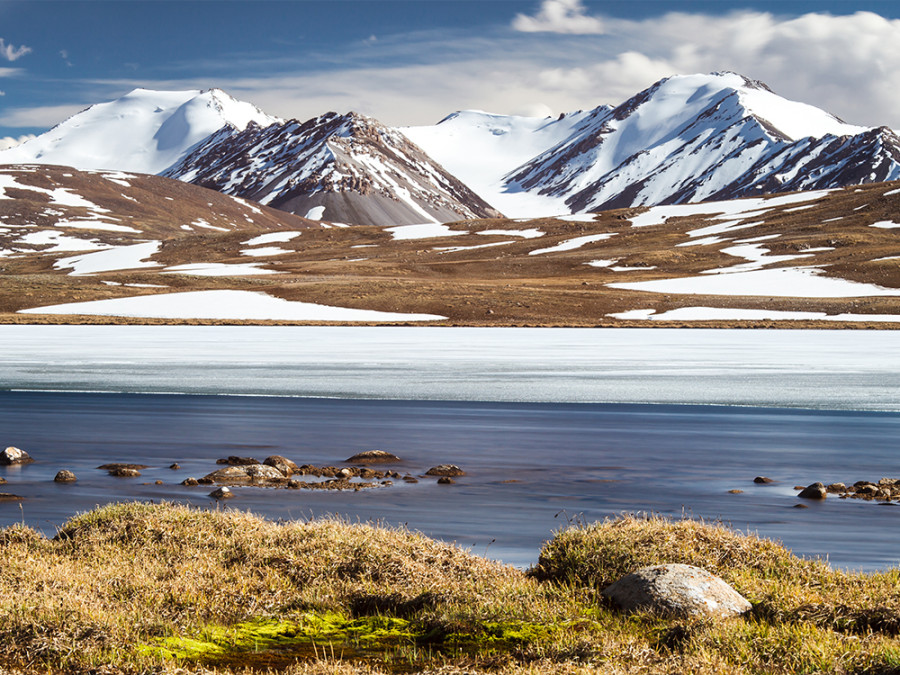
x: 560, y: 16
x: 11, y: 142
x: 10, y: 72
x: 11, y: 53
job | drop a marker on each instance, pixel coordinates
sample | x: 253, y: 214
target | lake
x: 552, y: 425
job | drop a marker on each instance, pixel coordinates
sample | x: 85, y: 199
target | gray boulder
x: 14, y: 456
x: 65, y: 476
x: 678, y: 590
x: 814, y: 491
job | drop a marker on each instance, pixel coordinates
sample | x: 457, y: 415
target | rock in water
x: 373, y: 457
x: 14, y: 456
x: 679, y: 590
x: 762, y: 480
x: 221, y: 493
x: 65, y: 477
x: 814, y: 491
x: 286, y: 466
x: 445, y: 470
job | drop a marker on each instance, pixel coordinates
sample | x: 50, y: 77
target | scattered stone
x: 65, y: 476
x: 677, y: 590
x: 374, y: 457
x: 2, y: 480
x: 205, y: 481
x: 814, y: 491
x: 286, y: 466
x: 445, y: 480
x: 410, y: 479
x: 387, y: 483
x: 190, y: 482
x: 158, y: 482
x: 175, y: 466
x: 7, y: 497
x: 867, y: 489
x: 345, y: 473
x: 14, y: 455
x: 836, y: 488
x: 121, y: 465
x: 445, y: 470
x: 124, y: 472
x: 234, y: 460
x: 735, y: 492
x: 799, y: 487
x: 221, y: 493
x: 801, y: 506
x: 762, y: 480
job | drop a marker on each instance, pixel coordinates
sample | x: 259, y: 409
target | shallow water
x: 568, y: 461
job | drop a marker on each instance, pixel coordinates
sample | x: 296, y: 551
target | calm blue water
x: 569, y: 460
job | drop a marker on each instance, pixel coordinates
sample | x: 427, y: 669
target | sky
x: 412, y: 62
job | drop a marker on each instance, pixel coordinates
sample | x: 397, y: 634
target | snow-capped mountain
x: 685, y: 139
x: 345, y: 168
x: 144, y: 131
x: 482, y: 148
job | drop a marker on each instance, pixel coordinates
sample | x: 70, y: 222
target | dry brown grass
x: 127, y: 576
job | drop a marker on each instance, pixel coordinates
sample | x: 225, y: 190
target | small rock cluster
x: 884, y: 490
x: 274, y: 471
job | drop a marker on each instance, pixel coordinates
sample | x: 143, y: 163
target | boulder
x: 2, y: 480
x: 445, y: 470
x: 677, y: 590
x: 221, y: 493
x: 13, y: 455
x: 249, y: 473
x: 65, y: 477
x: 445, y: 480
x: 124, y: 472
x: 7, y: 497
x: 814, y: 491
x: 836, y: 488
x: 286, y: 466
x: 234, y: 460
x: 190, y: 482
x: 373, y: 457
x: 762, y: 480
x: 175, y: 466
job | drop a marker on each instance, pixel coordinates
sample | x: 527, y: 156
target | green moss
x: 218, y: 643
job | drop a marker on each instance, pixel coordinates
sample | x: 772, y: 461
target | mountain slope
x: 144, y: 131
x: 345, y: 168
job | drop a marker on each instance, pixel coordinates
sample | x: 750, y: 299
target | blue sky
x: 414, y: 61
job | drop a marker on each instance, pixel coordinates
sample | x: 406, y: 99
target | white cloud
x: 10, y: 142
x: 41, y: 116
x: 9, y: 72
x: 11, y: 53
x: 560, y: 16
x: 848, y: 65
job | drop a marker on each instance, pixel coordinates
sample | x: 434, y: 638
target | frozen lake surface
x: 551, y: 424
x: 837, y: 370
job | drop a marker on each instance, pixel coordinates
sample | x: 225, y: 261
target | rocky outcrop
x: 286, y: 466
x: 249, y: 473
x: 814, y: 491
x: 13, y: 455
x: 65, y: 476
x: 677, y: 590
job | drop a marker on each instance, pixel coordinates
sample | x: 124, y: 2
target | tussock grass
x: 164, y: 588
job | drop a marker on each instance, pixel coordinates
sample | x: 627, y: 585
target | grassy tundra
x: 163, y: 588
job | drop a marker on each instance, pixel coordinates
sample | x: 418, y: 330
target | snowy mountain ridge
x: 685, y: 139
x: 345, y: 168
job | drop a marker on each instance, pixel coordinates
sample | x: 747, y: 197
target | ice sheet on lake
x: 781, y: 368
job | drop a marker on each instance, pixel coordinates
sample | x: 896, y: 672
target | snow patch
x: 272, y: 238
x: 118, y: 258
x: 800, y: 282
x: 218, y: 269
x: 572, y: 244
x: 738, y: 314
x: 224, y: 305
x: 422, y: 231
x: 532, y: 233
x: 885, y: 225
x: 315, y: 213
